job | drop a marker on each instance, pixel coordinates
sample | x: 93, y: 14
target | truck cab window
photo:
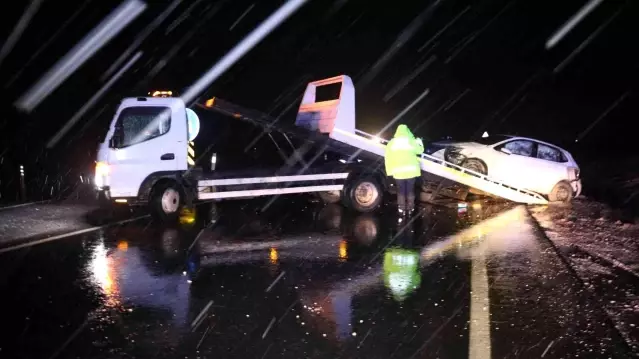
x: 139, y: 124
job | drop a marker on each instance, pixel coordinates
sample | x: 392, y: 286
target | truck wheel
x: 476, y: 165
x: 330, y: 196
x: 365, y: 194
x: 562, y: 192
x: 166, y: 202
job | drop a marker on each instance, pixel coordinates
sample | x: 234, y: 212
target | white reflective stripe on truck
x: 268, y: 192
x: 275, y: 179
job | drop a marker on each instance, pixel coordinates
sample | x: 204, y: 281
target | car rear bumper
x: 576, y: 187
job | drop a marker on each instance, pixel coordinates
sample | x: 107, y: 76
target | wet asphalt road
x: 303, y: 281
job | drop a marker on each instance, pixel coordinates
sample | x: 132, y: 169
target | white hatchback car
x: 518, y: 161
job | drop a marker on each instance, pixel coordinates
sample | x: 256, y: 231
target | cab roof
x: 151, y: 101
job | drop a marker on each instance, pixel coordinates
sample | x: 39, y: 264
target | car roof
x: 510, y: 137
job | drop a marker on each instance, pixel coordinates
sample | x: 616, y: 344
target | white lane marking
x: 479, y: 343
x: 65, y: 235
x: 274, y: 179
x: 23, y: 205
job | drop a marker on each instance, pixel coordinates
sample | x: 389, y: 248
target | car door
x: 549, y: 168
x: 512, y: 161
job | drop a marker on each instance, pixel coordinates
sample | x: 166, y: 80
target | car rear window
x: 548, y: 153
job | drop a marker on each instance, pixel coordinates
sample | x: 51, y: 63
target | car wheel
x: 562, y: 192
x: 476, y: 165
x: 365, y: 194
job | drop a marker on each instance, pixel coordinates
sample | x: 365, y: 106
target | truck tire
x: 166, y: 201
x: 562, y: 192
x: 365, y: 194
x: 330, y: 196
x: 476, y: 165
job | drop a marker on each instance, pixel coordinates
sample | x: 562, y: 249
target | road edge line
x: 65, y: 235
x: 4, y: 208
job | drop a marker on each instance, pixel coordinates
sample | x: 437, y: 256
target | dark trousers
x: 405, y: 194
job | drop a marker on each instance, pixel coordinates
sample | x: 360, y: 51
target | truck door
x: 146, y: 139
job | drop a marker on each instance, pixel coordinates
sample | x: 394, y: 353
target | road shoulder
x: 602, y: 250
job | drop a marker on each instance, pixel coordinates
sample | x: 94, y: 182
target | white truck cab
x: 147, y: 140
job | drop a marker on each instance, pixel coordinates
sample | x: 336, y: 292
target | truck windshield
x: 139, y: 124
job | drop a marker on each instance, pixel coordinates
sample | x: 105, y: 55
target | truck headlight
x: 101, y: 171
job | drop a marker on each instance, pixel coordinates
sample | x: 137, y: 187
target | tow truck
x: 148, y: 156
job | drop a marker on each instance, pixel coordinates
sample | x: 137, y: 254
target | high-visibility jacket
x: 401, y: 154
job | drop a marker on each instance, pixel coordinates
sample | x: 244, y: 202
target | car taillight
x: 573, y: 173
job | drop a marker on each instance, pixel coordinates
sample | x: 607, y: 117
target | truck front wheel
x: 166, y: 201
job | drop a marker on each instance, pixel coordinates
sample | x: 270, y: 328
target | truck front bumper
x: 104, y: 197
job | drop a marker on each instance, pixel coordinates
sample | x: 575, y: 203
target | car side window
x: 549, y: 153
x: 520, y: 147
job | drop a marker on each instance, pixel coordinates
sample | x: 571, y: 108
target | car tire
x: 330, y: 196
x: 365, y: 194
x: 562, y: 192
x: 476, y: 165
x: 166, y: 201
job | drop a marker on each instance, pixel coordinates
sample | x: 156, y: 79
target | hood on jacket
x: 403, y: 131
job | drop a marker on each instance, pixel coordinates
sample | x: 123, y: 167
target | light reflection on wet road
x: 303, y: 282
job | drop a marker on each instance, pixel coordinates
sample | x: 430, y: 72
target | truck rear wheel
x: 166, y: 200
x: 365, y: 194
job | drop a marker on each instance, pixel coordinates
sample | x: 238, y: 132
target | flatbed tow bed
x: 148, y: 157
x: 355, y: 143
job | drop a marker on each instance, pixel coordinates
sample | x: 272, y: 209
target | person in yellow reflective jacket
x: 403, y: 164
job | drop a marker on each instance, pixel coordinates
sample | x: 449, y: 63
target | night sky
x: 485, y: 63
